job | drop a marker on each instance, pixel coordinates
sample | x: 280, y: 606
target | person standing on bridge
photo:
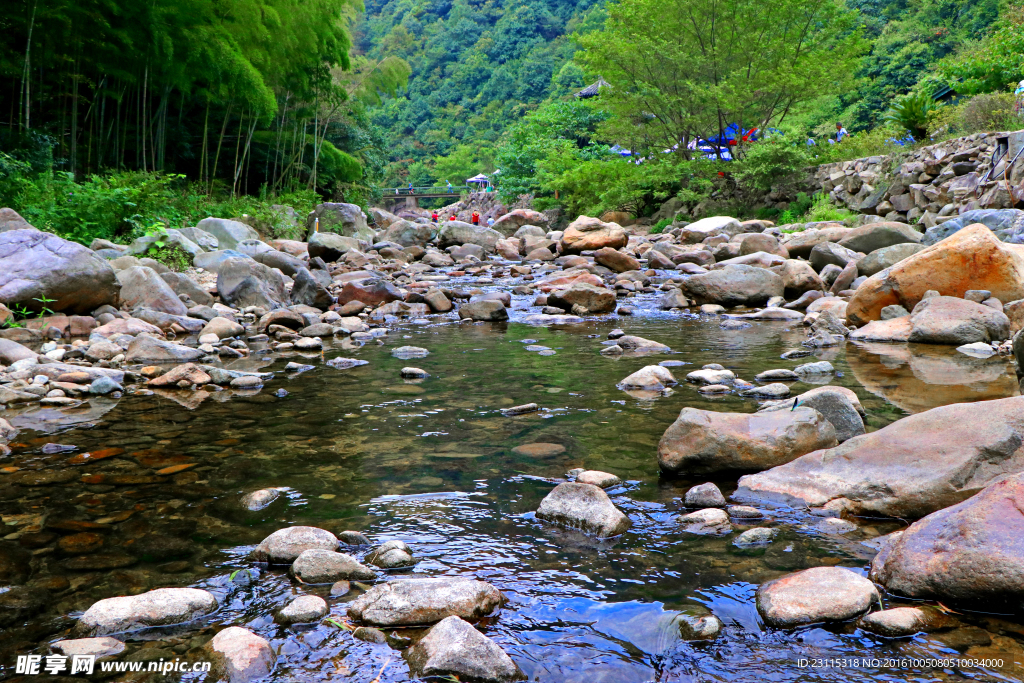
x: 411, y: 191
x: 476, y: 218
x: 449, y: 184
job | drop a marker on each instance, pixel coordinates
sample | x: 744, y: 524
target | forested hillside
x: 477, y: 66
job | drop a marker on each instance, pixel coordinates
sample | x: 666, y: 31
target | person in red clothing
x: 433, y: 216
x: 476, y: 218
x: 452, y: 217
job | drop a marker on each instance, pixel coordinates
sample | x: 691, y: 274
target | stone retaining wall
x: 932, y: 184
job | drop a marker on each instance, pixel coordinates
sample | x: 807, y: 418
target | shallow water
x: 430, y: 462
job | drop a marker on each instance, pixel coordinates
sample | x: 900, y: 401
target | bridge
x: 411, y: 196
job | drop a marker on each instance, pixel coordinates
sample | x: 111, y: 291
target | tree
x: 681, y: 69
x: 993, y: 64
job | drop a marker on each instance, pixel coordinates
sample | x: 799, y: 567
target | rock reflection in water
x: 918, y: 377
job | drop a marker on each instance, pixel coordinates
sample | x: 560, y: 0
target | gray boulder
x: 213, y: 260
x: 1007, y: 224
x: 484, y: 310
x: 951, y: 320
x: 170, y: 237
x: 880, y: 259
x: 838, y: 405
x: 410, y: 602
x: 183, y: 284
x: 331, y: 246
x: 145, y: 348
x: 307, y: 290
x: 253, y: 247
x: 160, y: 607
x: 37, y: 266
x: 227, y: 232
x: 142, y: 287
x: 302, y: 610
x: 407, y: 234
x: 831, y: 253
x: 285, y: 545
x: 735, y: 285
x: 584, y: 507
x: 343, y: 219
x: 455, y: 233
x: 318, y: 565
x: 868, y: 238
x: 204, y: 239
x: 454, y: 648
x: 243, y: 282
x: 286, y: 263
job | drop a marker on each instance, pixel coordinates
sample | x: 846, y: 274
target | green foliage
x: 687, y: 68
x: 993, y: 64
x: 660, y: 226
x: 171, y: 255
x: 775, y: 161
x: 824, y: 210
x: 910, y: 112
x: 981, y: 113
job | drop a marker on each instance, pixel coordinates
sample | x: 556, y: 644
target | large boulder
x: 183, y: 284
x: 285, y: 545
x: 1006, y: 224
x: 382, y: 218
x: 309, y: 291
x: 510, y: 223
x: 171, y: 237
x: 240, y: 656
x: 972, y: 551
x: 972, y: 258
x: 286, y: 263
x: 209, y: 260
x: 886, y: 257
x: 615, y: 260
x: 409, y: 234
x: 815, y: 595
x: 798, y: 277
x: 909, y: 468
x: 160, y: 607
x: 590, y: 234
x: 40, y: 270
x: 319, y: 565
x: 411, y: 602
x: 800, y: 244
x: 484, y: 310
x: 831, y: 253
x: 227, y: 232
x: 872, y: 236
x: 839, y: 405
x: 243, y: 282
x: 454, y: 649
x: 331, y: 246
x: 457, y: 233
x: 204, y: 239
x: 142, y: 287
x: 371, y: 292
x: 145, y: 348
x: 703, y: 441
x: 592, y: 299
x: 12, y: 220
x: 584, y: 507
x: 948, y: 320
x: 734, y: 286
x: 343, y: 219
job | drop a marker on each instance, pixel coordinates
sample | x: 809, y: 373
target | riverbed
x: 431, y: 462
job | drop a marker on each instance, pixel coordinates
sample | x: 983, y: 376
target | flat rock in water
x: 702, y: 441
x: 327, y: 566
x: 302, y: 610
x: 598, y: 478
x: 346, y: 363
x: 285, y: 545
x: 539, y: 450
x: 584, y: 507
x: 822, y: 367
x: 900, y: 622
x: 653, y: 377
x: 755, y: 537
x: 639, y: 345
x: 777, y: 375
x: 711, y: 376
x: 407, y: 352
x: 160, y: 607
x: 257, y: 500
x: 104, y: 646
x: 454, y: 648
x: 409, y: 602
x: 777, y: 390
x: 815, y: 595
x: 707, y: 522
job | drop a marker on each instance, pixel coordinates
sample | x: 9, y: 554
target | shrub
x: 172, y: 256
x: 982, y: 113
x: 773, y: 161
x: 660, y: 226
x: 824, y: 210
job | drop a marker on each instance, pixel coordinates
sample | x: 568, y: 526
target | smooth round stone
x: 709, y: 522
x: 353, y: 538
x: 776, y: 375
x: 547, y: 352
x: 598, y: 478
x: 257, y: 500
x: 368, y: 634
x: 104, y: 646
x: 302, y: 610
x: 539, y: 450
x: 241, y: 654
x: 706, y: 495
x: 340, y: 588
x: 815, y: 595
x: 755, y: 537
x: 391, y: 555
x: 308, y: 343
x: 777, y: 390
x: 744, y: 512
x: 834, y: 525
x: 414, y: 373
x: 327, y: 566
x: 285, y: 545
x: 246, y: 382
x: 209, y: 339
x: 406, y: 352
x: 714, y: 389
x: 900, y: 622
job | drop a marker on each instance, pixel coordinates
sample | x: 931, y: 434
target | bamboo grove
x: 237, y: 95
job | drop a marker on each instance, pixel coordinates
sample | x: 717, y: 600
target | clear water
x: 431, y: 463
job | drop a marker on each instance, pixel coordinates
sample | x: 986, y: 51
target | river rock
x: 391, y: 555
x: 583, y: 507
x: 145, y: 348
x: 590, y: 234
x: 592, y: 299
x: 711, y: 374
x: 141, y: 286
x: 798, y: 278
x: 457, y: 233
x: 183, y: 284
x: 707, y: 522
x: 223, y: 328
x: 815, y: 595
x: 950, y: 320
x: 751, y: 538
x: 706, y: 495
x: 340, y: 218
x: 327, y: 566
x: 839, y: 405
x: 972, y: 551
x: 702, y: 441
x: 615, y: 260
x: 104, y: 646
x: 652, y: 377
x: 874, y: 236
x: 331, y: 246
x: 830, y: 253
x: 37, y: 265
x: 189, y: 372
x: 285, y: 545
x: 734, y: 286
x: 712, y: 226
x: 909, y: 468
x: 880, y: 259
x: 240, y: 655
x: 969, y: 259
x: 900, y: 622
x: 454, y: 648
x: 598, y: 478
x: 160, y: 607
x: 257, y: 500
x: 407, y: 233
x: 799, y: 244
x: 514, y: 221
x: 302, y: 610
x: 640, y: 346
x: 371, y: 292
x: 286, y: 263
x: 1006, y: 224
x: 228, y: 233
x: 409, y: 602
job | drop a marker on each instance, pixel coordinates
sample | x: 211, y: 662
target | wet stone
x: 285, y: 545
x: 391, y: 555
x: 708, y: 522
x: 755, y: 537
x: 815, y: 595
x: 353, y: 538
x: 302, y: 610
x: 539, y: 450
x: 327, y: 566
x: 597, y: 478
x: 705, y: 496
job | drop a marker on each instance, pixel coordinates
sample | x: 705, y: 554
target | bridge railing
x: 442, y: 190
